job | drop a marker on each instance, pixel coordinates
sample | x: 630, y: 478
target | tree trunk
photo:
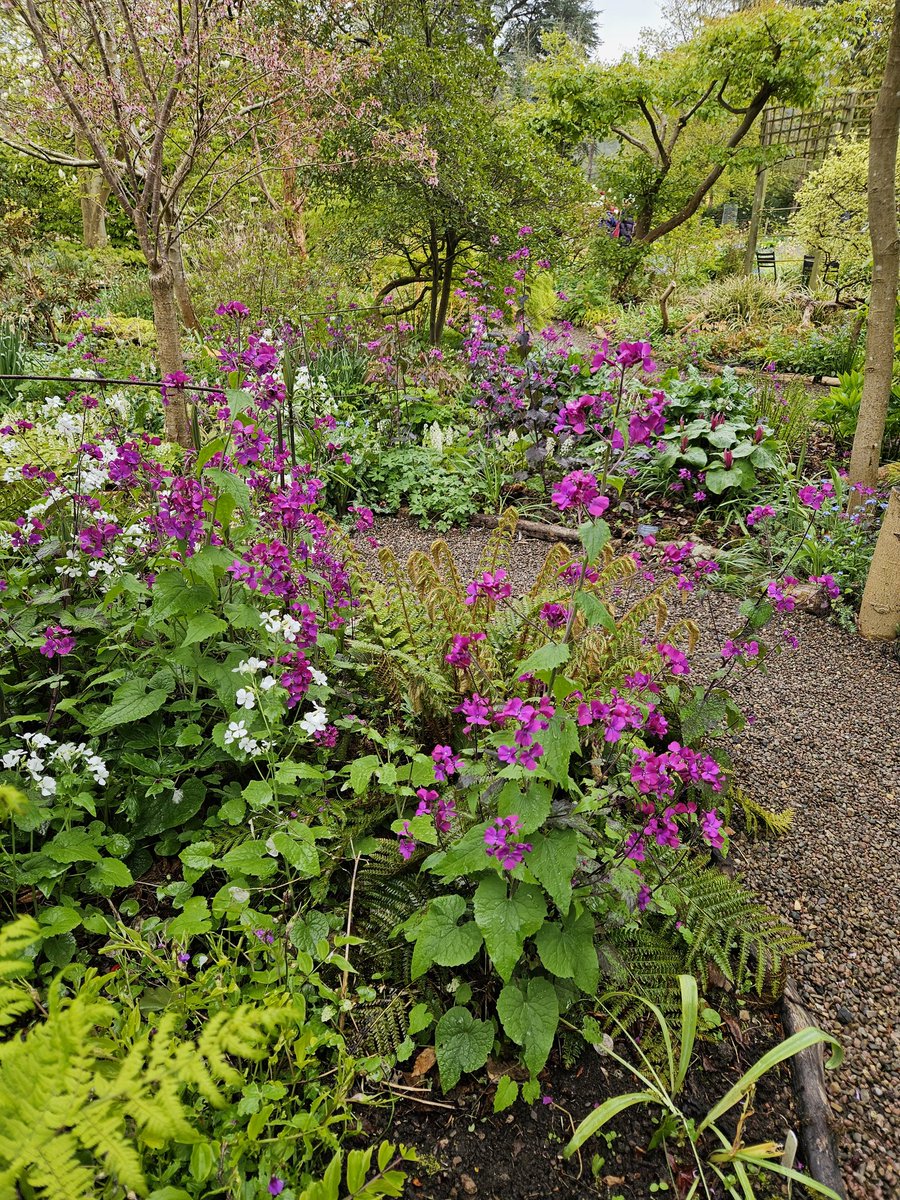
x: 182, y: 292
x: 879, y: 614
x: 446, y: 289
x: 885, y: 128
x: 93, y: 194
x: 168, y: 339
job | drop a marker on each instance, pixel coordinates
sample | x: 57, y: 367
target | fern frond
x: 762, y: 821
x: 497, y: 552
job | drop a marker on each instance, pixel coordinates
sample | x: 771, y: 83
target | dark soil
x: 467, y: 1150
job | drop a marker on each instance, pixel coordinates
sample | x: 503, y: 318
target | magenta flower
x: 554, y: 615
x: 234, y: 308
x: 579, y: 489
x: 711, y: 827
x: 827, y: 583
x: 676, y: 659
x: 275, y: 1186
x: 759, y: 513
x: 446, y: 763
x: 476, y: 710
x: 631, y: 353
x: 58, y: 641
x: 405, y: 844
x: 491, y: 585
x: 498, y: 844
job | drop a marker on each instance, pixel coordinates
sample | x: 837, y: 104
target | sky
x: 620, y: 24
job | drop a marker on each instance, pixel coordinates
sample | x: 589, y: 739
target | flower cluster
x: 579, y: 489
x: 67, y: 755
x: 498, y: 842
x: 490, y: 585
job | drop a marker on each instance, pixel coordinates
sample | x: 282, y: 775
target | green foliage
x: 662, y: 1085
x: 358, y: 1182
x: 762, y: 821
x: 76, y: 1100
x: 710, y: 428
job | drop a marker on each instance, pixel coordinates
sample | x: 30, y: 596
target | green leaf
x: 231, y: 485
x: 362, y: 770
x: 249, y: 858
x: 595, y: 611
x: 72, y: 845
x: 530, y: 1018
x: 440, y: 939
x: 552, y: 863
x: 722, y: 437
x: 193, y: 919
x: 719, y: 478
x: 461, y: 1043
x: 301, y: 855
x: 107, y: 875
x: 595, y: 1121
x: 289, y: 772
x: 506, y: 920
x: 532, y: 805
x: 546, y: 658
x: 202, y: 627
x: 506, y: 1094
x: 568, y: 950
x: 560, y: 742
x: 59, y: 919
x: 787, y: 1049
x: 467, y: 856
x: 258, y: 794
x: 594, y: 535
x: 131, y: 702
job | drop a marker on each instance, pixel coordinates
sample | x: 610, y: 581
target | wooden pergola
x: 806, y: 137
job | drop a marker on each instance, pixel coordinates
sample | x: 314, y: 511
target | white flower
x: 68, y: 425
x: 47, y: 786
x: 249, y: 745
x: 315, y: 720
x: 271, y: 621
x: 249, y: 666
x: 12, y: 758
x: 267, y: 683
x: 318, y: 677
x: 37, y: 740
x: 235, y: 731
x: 244, y: 698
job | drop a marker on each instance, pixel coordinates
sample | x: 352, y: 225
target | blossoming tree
x: 162, y: 97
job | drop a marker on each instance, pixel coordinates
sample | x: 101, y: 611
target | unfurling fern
x: 75, y: 1104
x: 761, y: 821
x: 15, y: 939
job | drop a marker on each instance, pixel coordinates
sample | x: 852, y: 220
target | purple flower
x: 406, y: 844
x: 643, y: 897
x: 678, y: 663
x: 711, y: 827
x: 458, y: 655
x: 234, y: 308
x: 276, y: 1185
x: 498, y: 845
x: 476, y: 710
x: 555, y: 615
x: 759, y: 513
x: 579, y: 489
x: 827, y: 583
x: 446, y: 763
x: 57, y: 641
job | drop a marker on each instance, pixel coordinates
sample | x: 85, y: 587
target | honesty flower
x: 498, y: 844
x: 315, y: 720
x: 57, y: 641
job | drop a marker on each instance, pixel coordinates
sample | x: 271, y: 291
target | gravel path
x: 825, y: 740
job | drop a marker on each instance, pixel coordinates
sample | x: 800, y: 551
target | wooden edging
x: 807, y: 1080
x: 813, y: 1108
x: 781, y: 377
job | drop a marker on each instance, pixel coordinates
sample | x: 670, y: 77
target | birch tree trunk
x: 885, y: 128
x: 879, y: 613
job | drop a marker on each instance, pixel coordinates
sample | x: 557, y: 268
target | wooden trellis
x: 806, y: 137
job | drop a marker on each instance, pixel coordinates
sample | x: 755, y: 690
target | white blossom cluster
x: 36, y: 757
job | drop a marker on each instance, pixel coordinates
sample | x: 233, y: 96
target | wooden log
x: 535, y: 529
x: 811, y: 1098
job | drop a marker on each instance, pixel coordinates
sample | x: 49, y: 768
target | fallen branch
x: 535, y: 529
